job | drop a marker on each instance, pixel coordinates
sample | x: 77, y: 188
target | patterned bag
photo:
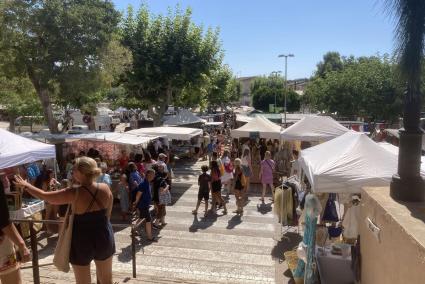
x: 165, y: 197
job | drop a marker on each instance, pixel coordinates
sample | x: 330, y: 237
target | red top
x: 140, y: 168
x: 123, y: 162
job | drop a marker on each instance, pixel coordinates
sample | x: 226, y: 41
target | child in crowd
x: 204, y: 182
x: 239, y: 186
x: 216, y: 187
x: 124, y: 193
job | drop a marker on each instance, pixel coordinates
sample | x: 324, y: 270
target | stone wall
x: 395, y: 253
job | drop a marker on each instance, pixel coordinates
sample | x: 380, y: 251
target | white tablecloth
x: 27, y: 211
x: 334, y: 269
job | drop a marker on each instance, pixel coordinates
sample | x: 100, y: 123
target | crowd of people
x: 87, y: 186
x: 144, y: 189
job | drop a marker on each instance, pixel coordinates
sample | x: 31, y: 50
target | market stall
x: 110, y: 145
x: 258, y: 128
x: 394, y: 149
x: 337, y: 170
x: 172, y: 133
x: 315, y: 129
x: 183, y: 140
x: 183, y: 117
x: 347, y: 163
x: 16, y: 151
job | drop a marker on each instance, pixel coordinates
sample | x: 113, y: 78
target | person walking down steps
x: 204, y: 182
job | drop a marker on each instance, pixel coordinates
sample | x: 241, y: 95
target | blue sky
x: 255, y: 32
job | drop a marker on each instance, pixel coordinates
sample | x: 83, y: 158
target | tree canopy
x: 173, y: 58
x: 365, y: 86
x: 265, y: 89
x: 58, y: 44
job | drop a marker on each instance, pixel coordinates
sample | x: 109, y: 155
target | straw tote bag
x: 63, y: 247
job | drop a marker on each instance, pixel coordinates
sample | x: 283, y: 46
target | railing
x: 33, y: 241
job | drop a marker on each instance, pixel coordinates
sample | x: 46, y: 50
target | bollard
x: 133, y: 250
x: 35, y: 267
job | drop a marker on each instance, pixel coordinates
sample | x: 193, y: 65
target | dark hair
x: 215, y: 154
x: 204, y: 168
x: 138, y: 158
x: 148, y: 157
x: 132, y: 167
x: 214, y: 165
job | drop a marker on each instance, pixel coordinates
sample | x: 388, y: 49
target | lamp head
x: 286, y: 55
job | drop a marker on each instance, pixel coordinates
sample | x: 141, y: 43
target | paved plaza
x: 192, y: 249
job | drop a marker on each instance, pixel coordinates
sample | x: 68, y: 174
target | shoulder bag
x: 63, y: 247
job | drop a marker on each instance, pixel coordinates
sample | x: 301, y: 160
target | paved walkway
x: 192, y: 249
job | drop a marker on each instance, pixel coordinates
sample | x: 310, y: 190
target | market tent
x: 394, y: 149
x: 172, y: 133
x: 17, y: 150
x: 396, y: 133
x: 213, y: 123
x: 243, y: 118
x: 314, y: 128
x: 348, y: 163
x: 260, y: 127
x: 183, y: 117
x: 115, y: 138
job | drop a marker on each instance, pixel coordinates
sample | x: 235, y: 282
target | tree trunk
x: 12, y: 123
x: 43, y: 95
x: 156, y: 114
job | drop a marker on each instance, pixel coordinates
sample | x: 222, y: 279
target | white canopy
x: 17, y: 150
x: 243, y: 118
x: 394, y: 149
x: 347, y: 163
x: 183, y: 117
x: 115, y: 137
x: 213, y: 123
x: 172, y: 133
x: 396, y: 133
x: 314, y: 128
x: 258, y: 126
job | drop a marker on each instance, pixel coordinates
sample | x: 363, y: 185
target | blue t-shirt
x: 105, y: 178
x: 134, y: 177
x: 33, y: 171
x: 145, y: 189
x: 210, y: 147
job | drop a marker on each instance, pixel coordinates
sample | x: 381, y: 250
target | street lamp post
x: 276, y: 74
x: 286, y: 77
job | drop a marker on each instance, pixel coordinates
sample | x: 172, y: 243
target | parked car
x: 29, y: 123
x: 79, y: 129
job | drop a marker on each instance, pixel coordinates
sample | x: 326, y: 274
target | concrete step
x: 185, y: 268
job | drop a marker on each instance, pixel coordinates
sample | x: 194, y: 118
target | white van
x: 103, y: 121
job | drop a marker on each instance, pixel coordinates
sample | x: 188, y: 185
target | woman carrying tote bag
x: 88, y: 234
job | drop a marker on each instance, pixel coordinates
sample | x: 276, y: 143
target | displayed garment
x: 284, y: 205
x: 306, y: 269
x: 351, y: 222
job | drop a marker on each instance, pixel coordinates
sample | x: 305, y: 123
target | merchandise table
x: 334, y: 268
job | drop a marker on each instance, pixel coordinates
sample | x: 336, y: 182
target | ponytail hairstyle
x: 87, y: 167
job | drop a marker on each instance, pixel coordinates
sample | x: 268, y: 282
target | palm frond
x: 410, y: 31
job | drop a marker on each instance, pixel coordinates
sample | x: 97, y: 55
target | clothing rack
x: 286, y: 228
